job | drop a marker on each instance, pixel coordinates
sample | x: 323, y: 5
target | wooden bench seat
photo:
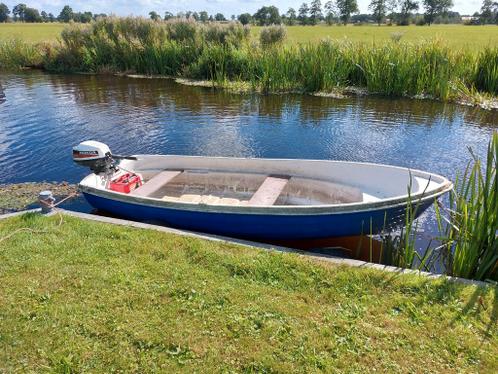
x: 269, y: 191
x: 155, y: 183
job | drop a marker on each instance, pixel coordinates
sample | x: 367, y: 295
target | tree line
x: 401, y: 12
x: 23, y: 13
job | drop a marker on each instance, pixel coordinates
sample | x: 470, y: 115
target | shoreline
x: 15, y: 197
x: 476, y: 101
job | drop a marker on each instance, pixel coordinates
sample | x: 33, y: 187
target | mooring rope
x: 47, y: 204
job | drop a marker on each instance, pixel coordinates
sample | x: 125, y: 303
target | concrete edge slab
x: 246, y: 243
x: 14, y: 214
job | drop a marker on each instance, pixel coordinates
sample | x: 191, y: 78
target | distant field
x: 32, y: 32
x: 471, y: 37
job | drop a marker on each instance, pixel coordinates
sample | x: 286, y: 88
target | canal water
x: 42, y: 116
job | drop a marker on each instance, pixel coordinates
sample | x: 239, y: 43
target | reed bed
x: 468, y: 227
x: 14, y: 54
x: 470, y: 224
x: 224, y: 53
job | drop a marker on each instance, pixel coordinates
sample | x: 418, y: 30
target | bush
x: 272, y: 35
x: 182, y: 30
x: 15, y: 54
x: 233, y: 34
x: 486, y: 77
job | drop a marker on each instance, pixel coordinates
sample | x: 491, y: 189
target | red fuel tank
x: 125, y: 183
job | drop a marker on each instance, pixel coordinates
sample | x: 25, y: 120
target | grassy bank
x: 455, y: 36
x: 86, y: 296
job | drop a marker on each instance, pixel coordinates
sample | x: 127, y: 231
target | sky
x: 227, y: 7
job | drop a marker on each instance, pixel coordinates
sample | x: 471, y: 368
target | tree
x: 245, y: 18
x: 219, y: 17
x: 44, y: 16
x: 195, y: 16
x: 84, y: 17
x: 66, y: 14
x: 406, y: 9
x: 154, y: 16
x: 330, y: 12
x: 4, y: 12
x: 291, y: 17
x: 391, y: 7
x: 51, y: 17
x: 32, y: 15
x: 203, y: 16
x: 379, y: 9
x: 168, y: 15
x: 433, y: 8
x: 303, y: 14
x: 489, y: 12
x: 267, y: 15
x: 18, y: 12
x: 315, y: 12
x: 346, y: 8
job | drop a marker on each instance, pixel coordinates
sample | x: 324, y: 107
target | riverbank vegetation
x: 84, y: 296
x: 225, y: 53
x: 467, y: 244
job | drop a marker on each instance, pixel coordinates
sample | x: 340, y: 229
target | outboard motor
x: 98, y: 157
x: 95, y: 155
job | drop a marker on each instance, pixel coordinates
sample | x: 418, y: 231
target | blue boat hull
x: 260, y: 226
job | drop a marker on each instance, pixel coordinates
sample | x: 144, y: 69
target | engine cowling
x: 95, y: 155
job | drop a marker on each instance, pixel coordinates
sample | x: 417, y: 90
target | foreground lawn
x: 85, y: 296
x: 459, y: 36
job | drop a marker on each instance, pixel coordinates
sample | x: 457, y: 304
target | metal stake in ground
x: 46, y: 200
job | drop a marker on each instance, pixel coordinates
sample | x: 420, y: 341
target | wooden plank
x: 155, y: 183
x: 269, y: 191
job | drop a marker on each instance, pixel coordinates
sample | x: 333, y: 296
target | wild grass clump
x: 468, y: 228
x: 470, y: 233
x: 486, y: 78
x: 232, y: 34
x: 182, y: 29
x: 16, y: 54
x: 272, y: 35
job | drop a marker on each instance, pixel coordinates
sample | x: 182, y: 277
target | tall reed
x: 486, y: 78
x: 15, y: 54
x: 468, y: 227
x: 470, y: 223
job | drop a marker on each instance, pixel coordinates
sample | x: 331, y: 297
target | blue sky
x: 227, y: 7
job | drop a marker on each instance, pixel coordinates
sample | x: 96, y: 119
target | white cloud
x: 227, y: 7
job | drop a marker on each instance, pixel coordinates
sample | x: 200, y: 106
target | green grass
x: 459, y: 36
x: 31, y: 32
x: 91, y: 297
x: 468, y: 37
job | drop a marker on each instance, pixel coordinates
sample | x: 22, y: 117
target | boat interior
x: 249, y: 189
x: 270, y: 182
